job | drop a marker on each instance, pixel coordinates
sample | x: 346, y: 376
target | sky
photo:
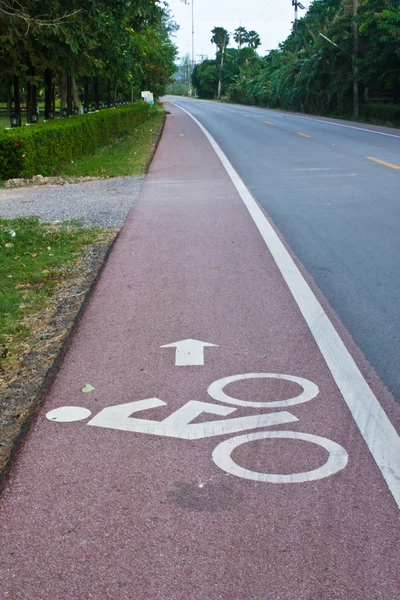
x: 272, y: 19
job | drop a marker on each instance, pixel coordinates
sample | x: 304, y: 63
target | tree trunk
x: 31, y: 95
x: 109, y: 91
x: 48, y: 89
x: 96, y: 91
x: 17, y: 97
x: 9, y: 97
x: 69, y: 94
x: 63, y: 92
x: 115, y: 91
x: 75, y: 92
x: 86, y: 91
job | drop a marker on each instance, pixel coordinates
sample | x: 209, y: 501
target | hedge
x: 41, y: 149
x: 381, y: 112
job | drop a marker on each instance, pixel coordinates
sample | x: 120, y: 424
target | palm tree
x: 253, y: 39
x: 240, y: 36
x: 220, y: 38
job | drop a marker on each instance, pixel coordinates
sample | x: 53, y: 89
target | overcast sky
x: 270, y: 18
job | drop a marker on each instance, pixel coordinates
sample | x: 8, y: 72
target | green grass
x: 129, y: 155
x: 34, y: 259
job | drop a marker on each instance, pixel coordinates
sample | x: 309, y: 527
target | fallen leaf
x: 9, y: 245
x: 34, y: 255
x: 88, y: 388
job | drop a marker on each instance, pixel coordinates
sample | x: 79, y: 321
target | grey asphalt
x: 338, y: 210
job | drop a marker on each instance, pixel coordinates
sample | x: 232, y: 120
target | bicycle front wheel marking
x: 337, y: 459
x: 216, y: 390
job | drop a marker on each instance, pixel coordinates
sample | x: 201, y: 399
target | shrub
x: 381, y: 112
x: 41, y: 149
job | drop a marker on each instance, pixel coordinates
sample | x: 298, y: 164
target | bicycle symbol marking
x: 179, y: 425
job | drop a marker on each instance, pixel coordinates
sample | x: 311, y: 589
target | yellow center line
x: 267, y: 122
x: 303, y: 134
x: 382, y: 162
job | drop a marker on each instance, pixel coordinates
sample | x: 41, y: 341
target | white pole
x: 192, y: 34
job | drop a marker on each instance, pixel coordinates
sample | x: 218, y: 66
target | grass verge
x: 129, y: 155
x: 35, y: 260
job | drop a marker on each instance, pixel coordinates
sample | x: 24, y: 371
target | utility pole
x: 296, y: 5
x: 355, y: 54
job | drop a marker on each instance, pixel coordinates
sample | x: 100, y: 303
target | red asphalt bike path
x: 154, y: 513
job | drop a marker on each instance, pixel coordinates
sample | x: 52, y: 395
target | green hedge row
x: 41, y: 149
x: 381, y: 112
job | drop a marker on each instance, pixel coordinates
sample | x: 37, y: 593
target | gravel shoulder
x: 99, y: 203
x: 102, y: 203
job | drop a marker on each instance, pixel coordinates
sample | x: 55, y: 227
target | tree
x: 253, y: 39
x: 240, y: 36
x: 220, y: 38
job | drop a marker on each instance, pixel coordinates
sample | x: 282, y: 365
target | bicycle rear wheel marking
x: 337, y: 459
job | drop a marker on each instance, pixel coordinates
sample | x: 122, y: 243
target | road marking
x: 267, y: 122
x: 178, y: 424
x: 382, y: 162
x: 310, y: 390
x: 337, y: 459
x: 189, y: 352
x: 68, y: 414
x: 303, y: 134
x: 342, y: 125
x: 375, y: 427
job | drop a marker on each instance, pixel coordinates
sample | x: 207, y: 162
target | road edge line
x: 373, y: 423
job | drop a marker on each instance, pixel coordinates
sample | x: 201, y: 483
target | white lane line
x: 348, y: 126
x: 261, y: 111
x: 372, y: 421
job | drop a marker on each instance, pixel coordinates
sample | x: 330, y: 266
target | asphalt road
x: 338, y: 210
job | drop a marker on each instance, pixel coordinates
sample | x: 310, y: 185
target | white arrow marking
x: 189, y: 352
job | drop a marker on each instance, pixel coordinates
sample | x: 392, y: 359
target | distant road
x: 333, y: 190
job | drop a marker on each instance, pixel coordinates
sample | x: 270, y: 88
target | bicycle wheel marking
x: 337, y: 459
x: 181, y: 424
x: 216, y: 390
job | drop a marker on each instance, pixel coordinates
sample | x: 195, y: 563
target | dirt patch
x: 40, y: 180
x: 23, y: 386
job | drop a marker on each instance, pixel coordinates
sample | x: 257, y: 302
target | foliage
x: 47, y: 145
x: 126, y: 44
x: 34, y: 260
x: 205, y: 75
x: 389, y: 113
x: 317, y: 77
x: 129, y: 155
x: 220, y: 37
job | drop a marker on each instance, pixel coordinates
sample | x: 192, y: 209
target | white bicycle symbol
x: 180, y: 425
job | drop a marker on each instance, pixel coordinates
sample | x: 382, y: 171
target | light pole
x: 192, y: 35
x: 355, y: 68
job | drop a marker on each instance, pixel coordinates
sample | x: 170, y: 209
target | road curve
x: 336, y: 206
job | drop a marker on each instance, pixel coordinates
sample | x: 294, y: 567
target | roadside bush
x: 41, y: 149
x: 381, y: 112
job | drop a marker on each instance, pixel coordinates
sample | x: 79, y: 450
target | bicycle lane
x: 115, y: 505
